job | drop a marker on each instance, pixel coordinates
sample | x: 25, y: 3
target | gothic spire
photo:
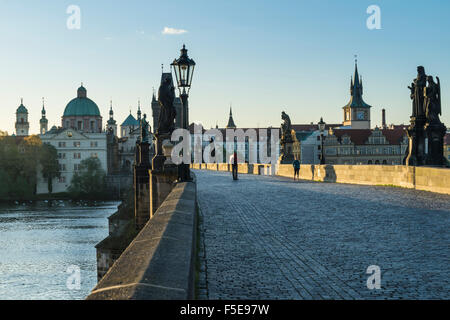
x: 231, y: 124
x: 356, y: 90
x: 139, y: 113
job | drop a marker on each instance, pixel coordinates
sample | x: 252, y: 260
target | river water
x: 42, y: 246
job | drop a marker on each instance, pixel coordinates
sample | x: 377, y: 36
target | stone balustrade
x: 159, y: 263
x: 421, y: 178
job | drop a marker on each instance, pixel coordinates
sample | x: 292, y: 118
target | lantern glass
x: 184, y: 69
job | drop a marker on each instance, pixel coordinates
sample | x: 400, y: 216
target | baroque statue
x: 166, y: 97
x: 144, y: 130
x: 286, y: 155
x: 286, y: 126
x: 417, y: 92
x: 426, y: 132
x: 432, y: 103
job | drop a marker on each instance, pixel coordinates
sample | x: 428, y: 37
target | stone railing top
x: 159, y: 263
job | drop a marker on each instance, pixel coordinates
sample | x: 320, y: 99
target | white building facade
x: 72, y: 147
x: 81, y: 137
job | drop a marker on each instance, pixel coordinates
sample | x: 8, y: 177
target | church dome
x: 81, y: 105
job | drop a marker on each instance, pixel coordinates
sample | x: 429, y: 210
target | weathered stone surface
x: 159, y: 263
x: 420, y: 178
x: 273, y: 238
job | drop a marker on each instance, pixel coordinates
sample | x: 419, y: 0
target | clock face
x: 360, y: 115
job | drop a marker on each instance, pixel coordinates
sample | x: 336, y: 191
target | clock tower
x: 357, y: 112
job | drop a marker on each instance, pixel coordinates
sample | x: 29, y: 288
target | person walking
x: 296, y: 165
x: 234, y: 165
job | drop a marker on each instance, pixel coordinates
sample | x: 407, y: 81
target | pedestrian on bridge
x: 296, y: 165
x: 234, y: 165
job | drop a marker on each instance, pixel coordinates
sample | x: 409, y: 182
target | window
x: 61, y: 144
x: 76, y: 144
x: 94, y: 155
x: 94, y: 144
x: 62, y: 167
x: 77, y: 155
x: 62, y: 180
x: 93, y: 126
x: 80, y: 125
x: 76, y: 167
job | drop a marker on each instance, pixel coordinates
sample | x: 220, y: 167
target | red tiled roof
x: 360, y: 136
x: 395, y: 135
x: 357, y: 136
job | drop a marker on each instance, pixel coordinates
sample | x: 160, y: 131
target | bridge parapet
x: 421, y: 178
x: 160, y: 262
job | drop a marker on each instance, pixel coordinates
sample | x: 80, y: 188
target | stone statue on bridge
x: 166, y: 97
x: 417, y: 92
x: 144, y: 130
x: 286, y: 127
x: 426, y: 132
x: 286, y: 140
x: 432, y: 95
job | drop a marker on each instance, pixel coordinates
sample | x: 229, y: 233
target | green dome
x: 22, y: 109
x: 81, y: 107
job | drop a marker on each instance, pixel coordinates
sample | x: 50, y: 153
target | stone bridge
x: 268, y: 237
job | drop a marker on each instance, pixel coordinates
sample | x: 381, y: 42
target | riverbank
x: 59, y: 196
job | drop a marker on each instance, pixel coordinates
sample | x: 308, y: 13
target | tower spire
x: 111, y: 112
x: 139, y: 113
x: 231, y: 124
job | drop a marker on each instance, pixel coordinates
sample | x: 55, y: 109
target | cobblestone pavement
x: 273, y: 238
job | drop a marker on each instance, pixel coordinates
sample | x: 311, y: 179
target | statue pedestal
x: 161, y: 184
x: 435, y: 133
x: 286, y: 156
x: 160, y: 158
x: 164, y: 173
x: 141, y: 186
x: 416, y: 135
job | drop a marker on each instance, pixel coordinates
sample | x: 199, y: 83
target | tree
x: 50, y: 165
x: 90, y: 180
x: 19, y: 164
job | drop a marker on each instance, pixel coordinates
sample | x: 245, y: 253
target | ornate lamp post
x: 322, y: 129
x: 184, y: 71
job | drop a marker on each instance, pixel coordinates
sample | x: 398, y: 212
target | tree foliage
x: 89, y: 181
x: 20, y: 160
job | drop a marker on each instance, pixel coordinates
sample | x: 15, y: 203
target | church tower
x: 231, y: 124
x: 43, y: 123
x: 139, y: 112
x: 112, y: 124
x: 357, y: 112
x: 22, y: 125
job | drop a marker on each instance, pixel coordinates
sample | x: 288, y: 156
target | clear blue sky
x: 262, y: 56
